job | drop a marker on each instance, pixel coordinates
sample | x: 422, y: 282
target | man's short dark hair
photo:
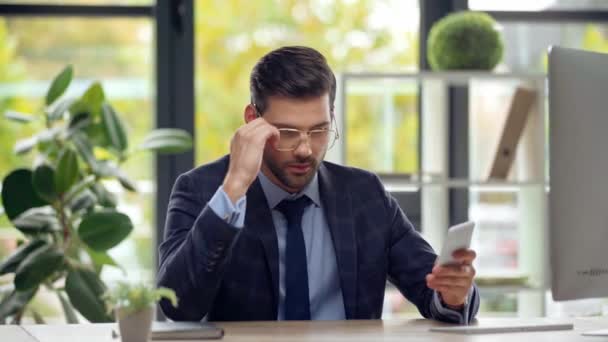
x: 294, y: 72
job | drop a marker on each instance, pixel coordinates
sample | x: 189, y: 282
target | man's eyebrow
x: 322, y: 124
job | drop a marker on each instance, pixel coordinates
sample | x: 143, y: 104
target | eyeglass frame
x: 307, y: 133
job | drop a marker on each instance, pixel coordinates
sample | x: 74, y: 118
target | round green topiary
x: 464, y: 40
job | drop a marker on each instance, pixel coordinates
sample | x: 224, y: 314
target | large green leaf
x: 18, y: 117
x: 68, y: 310
x: 84, y: 288
x: 82, y: 185
x: 50, y: 134
x: 59, y: 85
x: 104, y: 229
x: 37, y: 220
x: 106, y: 199
x: 79, y: 107
x: 23, y: 146
x: 38, y: 266
x: 85, y: 150
x: 15, y: 302
x: 67, y: 171
x: 167, y: 140
x: 114, y: 128
x: 18, y: 194
x: 43, y: 139
x: 98, y: 136
x: 105, y: 169
x: 10, y: 264
x: 78, y: 122
x: 94, y: 96
x: 84, y: 201
x: 126, y: 183
x: 108, y: 169
x: 43, y: 180
x: 101, y: 259
x: 58, y: 111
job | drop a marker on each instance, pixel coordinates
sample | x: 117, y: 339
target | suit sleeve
x: 411, y: 258
x: 194, y: 253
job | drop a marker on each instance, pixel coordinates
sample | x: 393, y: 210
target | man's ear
x: 250, y: 113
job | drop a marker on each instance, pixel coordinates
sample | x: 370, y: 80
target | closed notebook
x: 185, y: 331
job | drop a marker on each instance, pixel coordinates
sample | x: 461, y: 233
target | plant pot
x: 135, y: 327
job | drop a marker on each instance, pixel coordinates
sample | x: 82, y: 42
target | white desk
x: 347, y: 331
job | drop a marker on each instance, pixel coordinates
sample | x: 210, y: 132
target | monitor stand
x: 603, y: 332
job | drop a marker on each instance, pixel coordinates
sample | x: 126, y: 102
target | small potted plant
x: 133, y: 306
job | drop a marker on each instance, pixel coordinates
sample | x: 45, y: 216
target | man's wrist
x: 450, y: 306
x: 234, y: 189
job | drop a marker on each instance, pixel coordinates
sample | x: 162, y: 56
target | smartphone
x: 458, y: 237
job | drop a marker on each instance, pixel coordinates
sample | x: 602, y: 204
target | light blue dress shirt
x: 325, y: 293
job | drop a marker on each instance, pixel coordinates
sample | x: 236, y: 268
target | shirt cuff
x: 222, y: 206
x: 460, y: 316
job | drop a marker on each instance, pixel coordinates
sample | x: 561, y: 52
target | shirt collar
x: 274, y: 194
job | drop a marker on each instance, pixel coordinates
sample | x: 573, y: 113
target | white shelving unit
x: 528, y: 181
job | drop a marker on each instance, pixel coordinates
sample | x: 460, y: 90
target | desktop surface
x: 351, y: 331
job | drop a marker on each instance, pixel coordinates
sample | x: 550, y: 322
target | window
x: 117, y: 52
x: 353, y: 35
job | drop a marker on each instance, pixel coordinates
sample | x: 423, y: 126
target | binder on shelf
x: 521, y: 105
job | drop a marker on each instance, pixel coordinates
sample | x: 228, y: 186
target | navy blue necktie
x: 297, y: 305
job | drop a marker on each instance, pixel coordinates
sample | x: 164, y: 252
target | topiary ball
x: 465, y: 40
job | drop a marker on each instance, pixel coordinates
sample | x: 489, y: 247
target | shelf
x: 505, y: 283
x: 454, y: 77
x: 518, y: 202
x: 394, y: 184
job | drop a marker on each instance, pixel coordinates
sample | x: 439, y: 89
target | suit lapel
x: 338, y: 211
x: 258, y: 219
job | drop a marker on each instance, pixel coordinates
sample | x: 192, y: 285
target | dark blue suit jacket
x: 226, y: 273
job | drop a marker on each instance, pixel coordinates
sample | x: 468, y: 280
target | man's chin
x: 298, y: 181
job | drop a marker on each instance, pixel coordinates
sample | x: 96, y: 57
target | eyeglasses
x: 291, y: 138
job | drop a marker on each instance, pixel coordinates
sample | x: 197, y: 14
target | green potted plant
x: 465, y: 40
x: 133, y: 306
x: 61, y: 206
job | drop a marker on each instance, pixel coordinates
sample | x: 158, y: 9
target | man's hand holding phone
x: 453, y: 273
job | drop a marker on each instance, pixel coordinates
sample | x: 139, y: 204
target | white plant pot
x: 135, y: 327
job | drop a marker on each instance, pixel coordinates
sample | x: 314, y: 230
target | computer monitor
x: 578, y: 198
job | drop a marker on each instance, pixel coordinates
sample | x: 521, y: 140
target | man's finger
x: 451, y: 291
x: 265, y: 132
x: 451, y: 281
x: 465, y: 256
x: 455, y: 271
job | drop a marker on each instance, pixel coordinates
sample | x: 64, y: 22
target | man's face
x: 293, y: 170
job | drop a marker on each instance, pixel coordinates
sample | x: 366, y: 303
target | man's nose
x: 303, y: 150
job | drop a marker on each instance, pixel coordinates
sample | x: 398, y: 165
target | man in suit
x: 274, y: 232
